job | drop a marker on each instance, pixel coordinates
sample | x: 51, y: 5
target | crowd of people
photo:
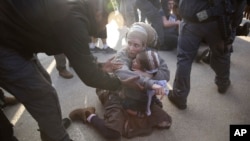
x: 64, y: 28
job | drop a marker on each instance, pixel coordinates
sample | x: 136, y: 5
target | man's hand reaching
x: 110, y: 66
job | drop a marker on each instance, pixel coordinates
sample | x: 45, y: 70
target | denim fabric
x: 191, y: 35
x: 25, y: 80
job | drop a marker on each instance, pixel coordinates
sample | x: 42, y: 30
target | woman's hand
x: 110, y: 66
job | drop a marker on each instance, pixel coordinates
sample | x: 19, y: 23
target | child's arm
x: 145, y: 82
x: 151, y: 93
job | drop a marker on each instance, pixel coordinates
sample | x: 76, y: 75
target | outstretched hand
x: 110, y: 66
x: 132, y: 82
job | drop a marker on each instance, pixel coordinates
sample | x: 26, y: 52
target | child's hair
x: 149, y: 61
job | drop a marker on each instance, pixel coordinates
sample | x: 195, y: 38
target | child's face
x: 136, y: 64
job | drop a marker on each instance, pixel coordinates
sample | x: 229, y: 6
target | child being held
x: 145, y: 64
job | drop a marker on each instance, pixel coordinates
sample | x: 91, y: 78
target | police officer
x: 51, y: 26
x: 203, y: 20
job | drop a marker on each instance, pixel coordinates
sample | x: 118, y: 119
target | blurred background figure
x: 149, y: 12
x: 171, y: 20
x: 105, y: 48
x: 128, y: 10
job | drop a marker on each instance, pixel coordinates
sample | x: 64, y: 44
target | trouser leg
x: 108, y: 133
x: 60, y: 62
x: 41, y: 68
x: 114, y: 117
x: 219, y: 59
x: 221, y: 66
x: 6, y: 128
x: 23, y: 79
x: 188, y: 44
x: 144, y: 126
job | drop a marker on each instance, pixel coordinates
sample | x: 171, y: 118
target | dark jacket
x: 53, y: 27
x: 189, y: 8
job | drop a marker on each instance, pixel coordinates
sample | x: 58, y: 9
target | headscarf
x: 145, y: 32
x: 139, y: 32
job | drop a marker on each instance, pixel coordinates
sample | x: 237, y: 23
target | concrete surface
x: 207, y: 117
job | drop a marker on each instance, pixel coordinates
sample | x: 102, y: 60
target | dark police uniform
x: 6, y: 128
x: 51, y: 26
x: 195, y: 27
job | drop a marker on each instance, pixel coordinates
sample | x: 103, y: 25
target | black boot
x: 243, y: 30
x: 223, y: 85
x: 176, y: 101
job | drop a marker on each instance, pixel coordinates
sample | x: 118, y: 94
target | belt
x: 195, y: 20
x: 207, y: 15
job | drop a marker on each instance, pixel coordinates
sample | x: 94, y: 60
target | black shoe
x: 243, y: 30
x: 66, y: 122
x: 223, y: 86
x: 246, y: 28
x: 175, y: 101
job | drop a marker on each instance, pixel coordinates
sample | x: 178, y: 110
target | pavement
x: 207, y: 117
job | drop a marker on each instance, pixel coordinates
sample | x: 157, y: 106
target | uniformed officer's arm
x: 74, y: 43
